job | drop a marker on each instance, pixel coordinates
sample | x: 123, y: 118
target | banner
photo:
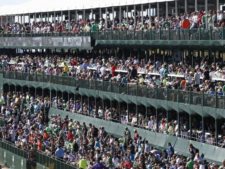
x: 46, y: 42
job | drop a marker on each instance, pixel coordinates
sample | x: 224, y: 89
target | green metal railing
x: 187, y: 97
x: 40, y: 158
x: 154, y: 34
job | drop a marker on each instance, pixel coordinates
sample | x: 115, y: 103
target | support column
x: 218, y: 5
x: 84, y: 14
x: 157, y: 126
x: 137, y: 115
x: 92, y: 17
x: 167, y: 118
x: 42, y: 93
x: 185, y: 6
x: 61, y: 18
x: 206, y: 11
x: 1, y: 20
x: 206, y: 5
x: 88, y: 106
x: 75, y: 102
x: 149, y: 10
x: 142, y: 13
x: 76, y: 17
x: 196, y: 5
x: 106, y: 18
x: 119, y: 112
x: 6, y: 19
x: 178, y: 123
x: 100, y: 13
x: 135, y: 16
x: 190, y: 125
x: 35, y: 92
x: 113, y: 15
x: 41, y: 19
x: 126, y: 14
x: 120, y: 14
x: 127, y: 112
x: 48, y: 17
x: 176, y: 8
x: 216, y: 132
x: 203, y: 129
x: 68, y: 101
x: 166, y: 9
x: 29, y: 18
x: 158, y: 9
x: 103, y: 108
x: 49, y: 96
x: 35, y: 17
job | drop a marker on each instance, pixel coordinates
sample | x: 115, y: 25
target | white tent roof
x: 34, y: 6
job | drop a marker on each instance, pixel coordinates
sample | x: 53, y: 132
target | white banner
x: 46, y: 42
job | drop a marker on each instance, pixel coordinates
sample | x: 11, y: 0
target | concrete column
x: 149, y: 10
x: 7, y: 19
x: 218, y: 5
x: 68, y: 15
x: 84, y: 14
x: 126, y: 14
x: 41, y: 17
x: 206, y: 5
x: 166, y: 9
x: 29, y: 18
x: 196, y: 5
x: 92, y: 14
x: 113, y: 15
x: 206, y: 11
x: 158, y: 9
x: 61, y: 17
x: 185, y: 6
x: 135, y: 15
x: 216, y: 132
x: 1, y: 21
x: 106, y: 18
x: 76, y: 16
x: 48, y: 17
x: 142, y: 13
x: 35, y: 17
x: 176, y: 9
x: 190, y: 125
x: 100, y: 13
x: 120, y: 14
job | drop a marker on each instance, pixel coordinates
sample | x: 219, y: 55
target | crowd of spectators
x: 83, y: 145
x: 144, y: 120
x: 198, y: 19
x: 201, y: 77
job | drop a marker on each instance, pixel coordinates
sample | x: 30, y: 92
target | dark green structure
x: 176, y: 100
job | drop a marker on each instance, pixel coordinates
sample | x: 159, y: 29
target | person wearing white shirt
x: 197, y: 76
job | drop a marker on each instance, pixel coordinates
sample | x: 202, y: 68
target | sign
x: 46, y: 42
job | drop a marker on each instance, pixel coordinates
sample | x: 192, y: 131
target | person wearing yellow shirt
x: 83, y: 164
x: 65, y: 69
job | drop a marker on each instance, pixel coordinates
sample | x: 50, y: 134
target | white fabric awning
x: 35, y: 6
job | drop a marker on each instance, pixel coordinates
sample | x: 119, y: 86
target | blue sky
x: 12, y: 2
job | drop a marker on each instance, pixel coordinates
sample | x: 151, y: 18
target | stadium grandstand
x: 129, y: 84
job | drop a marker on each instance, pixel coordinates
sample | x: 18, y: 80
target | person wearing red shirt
x: 113, y: 69
x: 70, y: 136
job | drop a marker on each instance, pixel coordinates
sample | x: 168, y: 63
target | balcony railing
x: 188, y: 97
x: 40, y: 157
x: 154, y: 34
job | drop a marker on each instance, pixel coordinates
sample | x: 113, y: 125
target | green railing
x: 187, y: 97
x: 40, y: 158
x: 11, y: 148
x: 157, y: 34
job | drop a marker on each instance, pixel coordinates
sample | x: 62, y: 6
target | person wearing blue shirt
x: 59, y: 153
x: 98, y: 165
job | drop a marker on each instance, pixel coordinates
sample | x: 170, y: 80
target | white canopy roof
x: 34, y: 6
